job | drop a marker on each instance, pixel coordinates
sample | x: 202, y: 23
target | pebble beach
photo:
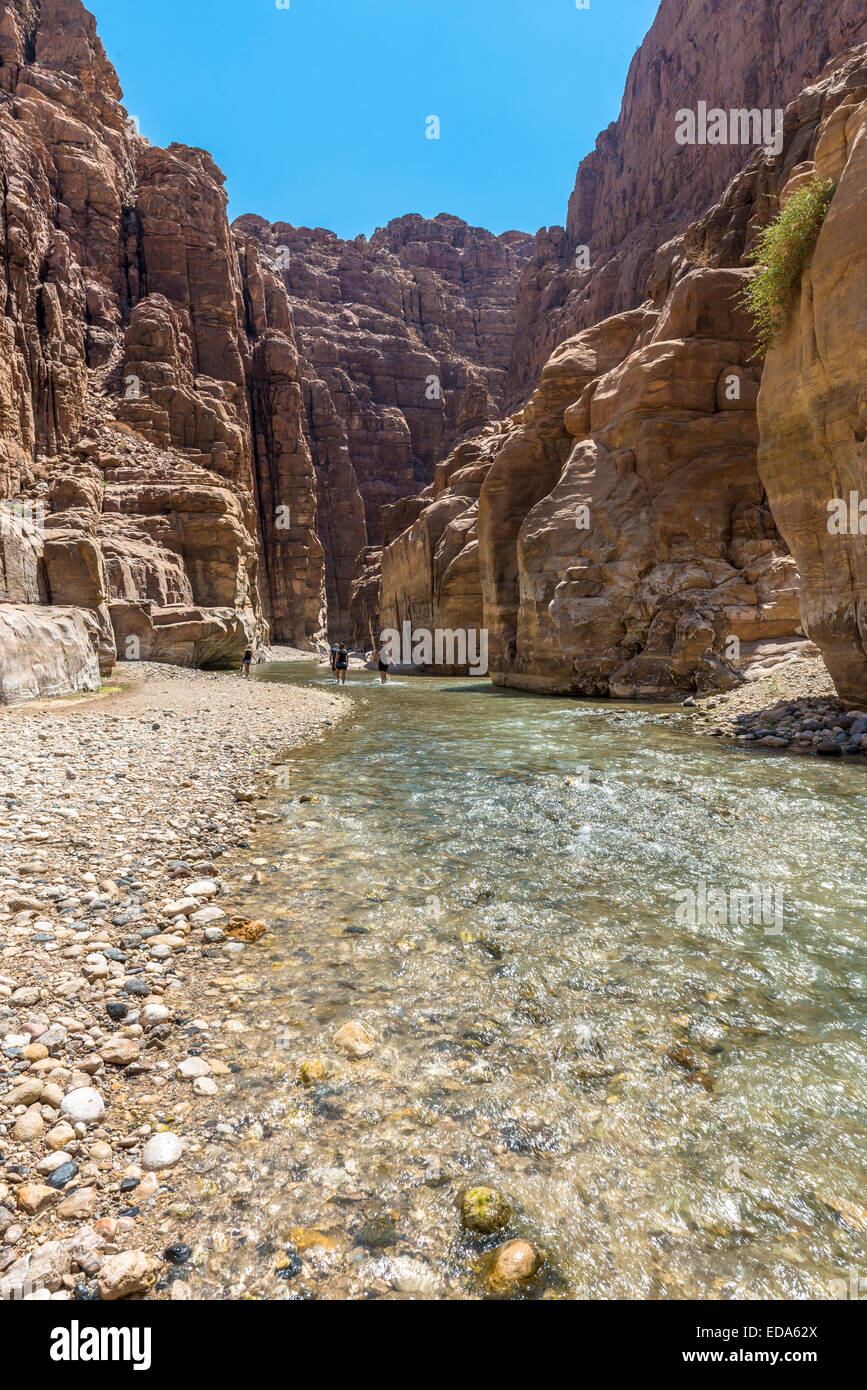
x: 125, y: 825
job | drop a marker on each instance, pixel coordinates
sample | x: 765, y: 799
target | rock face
x: 405, y: 340
x: 615, y: 537
x: 639, y: 188
x: 651, y: 553
x: 430, y: 570
x: 364, y: 598
x: 209, y: 418
x: 812, y: 406
x: 211, y: 436
x: 44, y: 651
x: 150, y: 399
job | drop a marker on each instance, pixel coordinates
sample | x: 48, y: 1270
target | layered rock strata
x: 405, y: 339
x: 209, y: 435
x: 150, y: 403
x: 639, y: 187
x: 615, y: 536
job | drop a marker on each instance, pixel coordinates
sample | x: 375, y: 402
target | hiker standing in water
x: 247, y: 661
x: 383, y: 661
x: 334, y: 650
x: 341, y: 662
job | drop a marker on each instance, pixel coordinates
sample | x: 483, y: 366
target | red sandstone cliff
x: 206, y: 432
x: 638, y: 188
x: 204, y: 425
x: 406, y: 339
x: 812, y: 407
x: 149, y: 384
x: 615, y: 536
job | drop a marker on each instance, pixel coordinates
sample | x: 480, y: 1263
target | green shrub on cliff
x: 781, y: 252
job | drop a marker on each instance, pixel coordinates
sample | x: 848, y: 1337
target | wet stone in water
x: 377, y: 1232
x: 484, y: 1210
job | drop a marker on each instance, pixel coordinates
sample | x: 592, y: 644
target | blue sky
x: 316, y: 113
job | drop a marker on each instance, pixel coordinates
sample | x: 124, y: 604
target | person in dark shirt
x: 247, y: 661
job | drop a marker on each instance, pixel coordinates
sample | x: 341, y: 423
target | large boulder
x: 653, y: 557
x: 22, y: 578
x: 181, y: 635
x: 44, y: 651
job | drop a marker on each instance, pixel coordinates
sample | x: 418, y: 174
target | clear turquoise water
x: 492, y: 884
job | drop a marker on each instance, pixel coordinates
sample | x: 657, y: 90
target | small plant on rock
x: 782, y: 250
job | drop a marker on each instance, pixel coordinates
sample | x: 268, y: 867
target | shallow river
x: 516, y: 897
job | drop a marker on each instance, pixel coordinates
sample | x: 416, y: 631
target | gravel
x: 121, y: 822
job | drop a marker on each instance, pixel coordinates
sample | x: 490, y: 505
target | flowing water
x: 516, y: 897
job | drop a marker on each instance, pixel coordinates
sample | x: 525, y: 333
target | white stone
x: 203, y: 888
x: 192, y: 1067
x: 206, y: 915
x: 161, y: 1151
x: 83, y: 1106
x: 154, y: 1013
x: 52, y: 1161
x: 179, y: 908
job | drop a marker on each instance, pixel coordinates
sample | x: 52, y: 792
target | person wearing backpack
x: 341, y: 663
x: 383, y: 661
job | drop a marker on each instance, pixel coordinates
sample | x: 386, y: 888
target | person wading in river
x: 383, y: 661
x: 334, y: 650
x: 247, y: 661
x: 341, y: 662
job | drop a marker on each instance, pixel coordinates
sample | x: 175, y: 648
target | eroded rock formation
x: 653, y: 553
x: 212, y: 435
x: 812, y: 406
x: 613, y: 538
x: 405, y: 340
x: 639, y: 188
x: 44, y: 651
x: 209, y: 421
x: 150, y: 395
x: 617, y: 538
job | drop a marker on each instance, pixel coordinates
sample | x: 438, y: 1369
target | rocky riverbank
x: 117, y: 817
x: 795, y: 708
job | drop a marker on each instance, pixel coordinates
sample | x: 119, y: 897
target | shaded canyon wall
x: 812, y: 406
x: 406, y: 339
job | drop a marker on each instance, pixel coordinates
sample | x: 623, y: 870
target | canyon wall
x: 214, y: 435
x: 149, y: 387
x: 638, y: 188
x: 615, y: 536
x: 203, y: 423
x: 812, y: 406
x: 406, y: 339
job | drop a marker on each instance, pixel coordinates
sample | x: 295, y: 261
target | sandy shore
x: 116, y: 812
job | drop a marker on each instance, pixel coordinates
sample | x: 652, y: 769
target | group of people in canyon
x: 338, y: 659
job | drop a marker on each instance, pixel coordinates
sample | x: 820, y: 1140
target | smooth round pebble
x: 161, y: 1151
x: 83, y: 1106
